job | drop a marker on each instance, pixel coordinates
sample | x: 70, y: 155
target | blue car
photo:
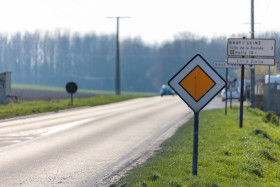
x: 166, y: 90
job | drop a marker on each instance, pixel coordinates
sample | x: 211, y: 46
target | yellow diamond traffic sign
x: 197, y: 83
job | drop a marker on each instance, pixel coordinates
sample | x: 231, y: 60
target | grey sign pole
x: 230, y: 99
x: 252, y: 75
x: 195, y: 143
x: 241, y: 98
x: 71, y: 99
x: 226, y: 91
x: 268, y: 98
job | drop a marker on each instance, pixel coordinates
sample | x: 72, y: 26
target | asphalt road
x: 91, y: 146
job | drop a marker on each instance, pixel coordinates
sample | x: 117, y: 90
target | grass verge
x: 228, y: 155
x: 35, y: 107
x: 56, y: 89
x: 61, y: 89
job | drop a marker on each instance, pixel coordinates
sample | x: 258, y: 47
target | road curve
x: 90, y: 146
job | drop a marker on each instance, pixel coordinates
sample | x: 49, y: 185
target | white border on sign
x: 174, y: 82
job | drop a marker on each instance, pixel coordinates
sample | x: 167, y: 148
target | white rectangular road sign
x: 226, y: 65
x: 251, y: 47
x: 252, y: 61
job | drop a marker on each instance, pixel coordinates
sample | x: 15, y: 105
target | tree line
x: 57, y: 58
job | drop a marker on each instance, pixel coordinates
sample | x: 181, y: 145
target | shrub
x: 272, y: 118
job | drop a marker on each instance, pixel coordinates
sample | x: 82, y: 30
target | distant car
x: 235, y: 94
x: 166, y: 90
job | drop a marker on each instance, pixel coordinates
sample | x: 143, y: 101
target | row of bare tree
x: 56, y: 58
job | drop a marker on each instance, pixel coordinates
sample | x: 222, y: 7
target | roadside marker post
x: 197, y: 83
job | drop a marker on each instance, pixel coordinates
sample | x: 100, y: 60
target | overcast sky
x: 152, y: 20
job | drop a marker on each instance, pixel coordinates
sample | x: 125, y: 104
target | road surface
x: 91, y: 146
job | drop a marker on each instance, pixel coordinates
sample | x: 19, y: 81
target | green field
x: 62, y: 89
x: 57, y: 89
x: 228, y: 155
x: 21, y: 108
x: 36, y: 87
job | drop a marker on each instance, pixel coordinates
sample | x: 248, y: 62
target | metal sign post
x: 226, y: 91
x: 230, y: 99
x: 268, y: 98
x: 195, y: 143
x: 232, y: 84
x: 241, y: 98
x: 197, y: 83
x: 250, y: 51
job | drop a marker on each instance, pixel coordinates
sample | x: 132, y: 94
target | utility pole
x: 252, y: 91
x: 117, y: 84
